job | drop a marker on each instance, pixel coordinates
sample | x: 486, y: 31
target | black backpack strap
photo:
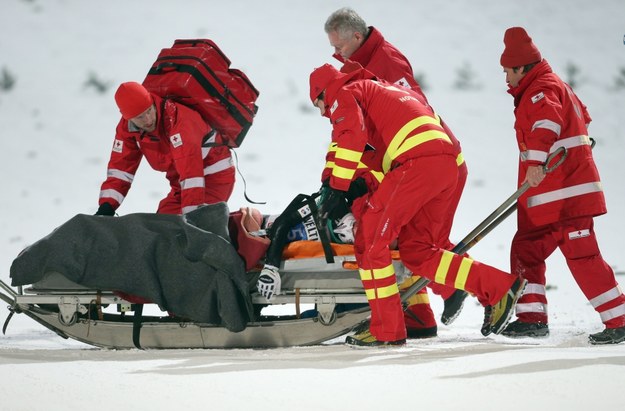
x: 323, y: 234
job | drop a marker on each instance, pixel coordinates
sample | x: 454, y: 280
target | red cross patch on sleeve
x: 176, y: 141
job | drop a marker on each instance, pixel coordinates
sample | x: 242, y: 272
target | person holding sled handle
x: 418, y: 160
x: 558, y: 209
x: 174, y: 139
x: 353, y: 40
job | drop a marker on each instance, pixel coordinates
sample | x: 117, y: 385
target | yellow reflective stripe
x: 342, y: 172
x: 404, y: 131
x: 419, y: 299
x: 459, y: 159
x: 409, y: 281
x: 388, y: 291
x: 378, y: 175
x: 401, y: 136
x: 377, y: 273
x: 412, y: 142
x: 332, y: 147
x: 443, y: 267
x: 383, y: 292
x: 349, y: 155
x: 365, y: 274
x: 463, y: 273
x: 329, y: 164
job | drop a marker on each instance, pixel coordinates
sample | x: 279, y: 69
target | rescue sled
x: 84, y: 314
x: 106, y: 319
x: 332, y: 293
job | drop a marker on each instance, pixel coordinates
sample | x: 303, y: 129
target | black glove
x: 105, y: 209
x: 357, y: 188
x: 333, y: 204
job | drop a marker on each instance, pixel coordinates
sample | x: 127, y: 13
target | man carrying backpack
x: 174, y: 139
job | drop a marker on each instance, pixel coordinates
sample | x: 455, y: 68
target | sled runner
x: 210, y: 305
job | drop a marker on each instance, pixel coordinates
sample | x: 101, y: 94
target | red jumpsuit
x: 411, y: 202
x: 197, y: 175
x: 559, y: 212
x: 386, y: 62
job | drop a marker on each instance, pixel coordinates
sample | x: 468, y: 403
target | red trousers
x: 445, y: 242
x: 576, y: 240
x: 411, y: 204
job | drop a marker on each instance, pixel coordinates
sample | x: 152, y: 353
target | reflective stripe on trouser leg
x: 419, y: 307
x: 383, y: 294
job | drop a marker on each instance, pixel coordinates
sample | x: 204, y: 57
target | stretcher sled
x: 107, y: 319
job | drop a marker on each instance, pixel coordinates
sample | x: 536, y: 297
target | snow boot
x: 427, y: 332
x: 502, y: 311
x: 518, y: 329
x: 453, y: 306
x: 488, y: 318
x: 608, y: 336
x: 366, y: 339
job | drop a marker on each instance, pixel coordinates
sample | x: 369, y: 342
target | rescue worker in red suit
x: 558, y: 209
x: 410, y: 204
x: 353, y: 40
x: 174, y: 139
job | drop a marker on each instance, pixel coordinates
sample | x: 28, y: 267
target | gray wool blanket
x: 186, y: 265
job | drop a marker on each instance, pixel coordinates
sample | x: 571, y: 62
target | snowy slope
x: 57, y: 132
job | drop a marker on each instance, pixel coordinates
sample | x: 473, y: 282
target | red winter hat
x: 132, y: 99
x: 321, y: 78
x: 519, y: 49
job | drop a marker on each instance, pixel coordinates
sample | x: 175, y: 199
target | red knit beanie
x: 519, y: 49
x: 321, y: 78
x: 132, y: 99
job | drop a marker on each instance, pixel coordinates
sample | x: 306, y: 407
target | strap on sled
x: 136, y: 325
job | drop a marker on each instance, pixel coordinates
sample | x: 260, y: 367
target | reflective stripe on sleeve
x: 570, y: 142
x: 349, y: 155
x: 343, y: 172
x: 221, y: 165
x: 549, y: 125
x: 120, y: 175
x: 114, y: 194
x: 193, y: 182
x: 534, y: 155
x: 459, y: 159
x: 188, y: 209
x: 567, y: 192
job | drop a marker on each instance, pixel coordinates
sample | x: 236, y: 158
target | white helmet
x: 344, y: 228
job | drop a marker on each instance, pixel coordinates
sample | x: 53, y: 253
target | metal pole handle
x: 492, y: 221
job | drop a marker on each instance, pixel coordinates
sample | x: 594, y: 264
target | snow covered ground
x: 57, y: 129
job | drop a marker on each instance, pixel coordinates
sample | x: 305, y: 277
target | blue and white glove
x: 269, y: 282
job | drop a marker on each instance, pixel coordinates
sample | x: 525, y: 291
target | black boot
x: 453, y: 306
x: 519, y: 329
x: 608, y: 336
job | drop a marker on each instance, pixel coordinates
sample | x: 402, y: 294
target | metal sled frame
x: 71, y: 311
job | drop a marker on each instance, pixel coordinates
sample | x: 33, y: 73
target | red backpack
x: 197, y: 73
